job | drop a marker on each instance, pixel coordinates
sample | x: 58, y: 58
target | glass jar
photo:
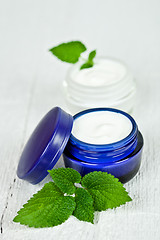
x: 122, y: 158
x: 109, y: 83
x: 58, y: 133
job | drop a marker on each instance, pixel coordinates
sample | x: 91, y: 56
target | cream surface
x: 101, y: 127
x: 104, y: 72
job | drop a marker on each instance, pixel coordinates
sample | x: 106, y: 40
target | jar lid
x: 45, y: 145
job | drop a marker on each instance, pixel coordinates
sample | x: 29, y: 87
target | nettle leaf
x: 84, y: 210
x: 86, y: 65
x: 65, y: 178
x: 50, y: 207
x: 92, y: 55
x: 89, y: 63
x: 106, y: 190
x: 69, y: 52
x: 47, y: 208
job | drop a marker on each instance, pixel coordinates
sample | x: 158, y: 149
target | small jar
x: 121, y: 156
x: 99, y: 139
x: 109, y: 83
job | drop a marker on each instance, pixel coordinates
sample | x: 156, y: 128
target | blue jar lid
x: 45, y: 145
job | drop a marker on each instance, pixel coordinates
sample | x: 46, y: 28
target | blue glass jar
x: 122, y: 159
x: 53, y: 136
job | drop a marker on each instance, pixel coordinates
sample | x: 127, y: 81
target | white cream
x: 104, y: 72
x: 101, y: 127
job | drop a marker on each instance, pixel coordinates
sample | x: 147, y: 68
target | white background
x: 30, y: 80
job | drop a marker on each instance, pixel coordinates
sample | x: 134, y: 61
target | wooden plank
x: 30, y: 80
x: 132, y: 220
x: 14, y: 100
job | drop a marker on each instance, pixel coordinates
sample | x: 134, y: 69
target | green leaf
x: 47, y: 208
x: 89, y: 63
x: 106, y: 190
x: 65, y: 178
x: 92, y: 55
x: 84, y: 210
x: 69, y: 52
x: 86, y: 65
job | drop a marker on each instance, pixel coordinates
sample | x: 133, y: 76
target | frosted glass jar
x: 109, y: 83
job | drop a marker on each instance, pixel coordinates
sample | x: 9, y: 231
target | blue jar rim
x: 138, y: 148
x: 110, y: 146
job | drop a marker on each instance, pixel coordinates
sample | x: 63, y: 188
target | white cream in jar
x: 104, y: 72
x: 101, y: 127
x: 109, y: 83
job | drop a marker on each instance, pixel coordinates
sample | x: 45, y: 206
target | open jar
x: 104, y: 139
x: 109, y: 83
x: 99, y: 139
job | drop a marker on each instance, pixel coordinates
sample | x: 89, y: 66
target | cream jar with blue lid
x: 109, y: 83
x: 98, y: 139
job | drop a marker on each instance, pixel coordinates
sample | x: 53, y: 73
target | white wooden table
x: 30, y: 82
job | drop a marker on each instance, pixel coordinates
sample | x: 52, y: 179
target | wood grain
x: 30, y: 85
